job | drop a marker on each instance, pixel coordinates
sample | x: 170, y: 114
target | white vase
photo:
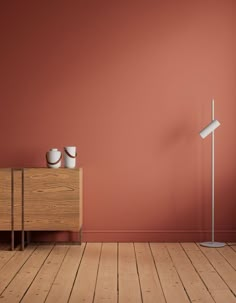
x: 70, y: 156
x: 53, y: 157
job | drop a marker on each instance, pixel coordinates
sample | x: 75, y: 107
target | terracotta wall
x: 130, y: 84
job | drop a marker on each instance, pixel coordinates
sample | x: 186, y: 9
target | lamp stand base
x: 213, y: 244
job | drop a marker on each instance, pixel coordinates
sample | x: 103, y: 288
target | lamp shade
x: 209, y: 128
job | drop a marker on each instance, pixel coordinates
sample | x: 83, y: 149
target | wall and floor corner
x: 130, y: 84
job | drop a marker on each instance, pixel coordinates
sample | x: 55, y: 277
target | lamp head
x: 209, y: 128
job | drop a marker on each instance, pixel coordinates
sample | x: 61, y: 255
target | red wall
x: 130, y: 84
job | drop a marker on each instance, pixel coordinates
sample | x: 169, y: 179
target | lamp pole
x: 213, y: 173
x: 210, y: 129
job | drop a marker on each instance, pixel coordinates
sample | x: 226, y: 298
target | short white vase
x: 53, y: 157
x: 70, y: 156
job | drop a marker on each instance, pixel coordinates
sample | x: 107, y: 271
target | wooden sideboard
x: 40, y: 199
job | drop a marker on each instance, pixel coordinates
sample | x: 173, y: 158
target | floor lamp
x: 209, y: 129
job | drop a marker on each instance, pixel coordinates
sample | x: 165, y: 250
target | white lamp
x: 209, y: 129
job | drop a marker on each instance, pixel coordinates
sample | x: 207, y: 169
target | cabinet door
x: 5, y: 199
x: 51, y: 199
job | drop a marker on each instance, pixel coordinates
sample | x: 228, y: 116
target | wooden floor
x: 118, y: 273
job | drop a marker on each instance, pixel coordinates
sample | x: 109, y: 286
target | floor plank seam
x: 217, y: 270
x: 7, y: 261
x: 85, y: 245
x: 219, y: 250
x: 17, y: 272
x: 157, y: 272
x: 139, y: 282
x: 176, y: 269
x: 99, y: 260
x: 56, y: 274
x: 233, y: 247
x: 198, y: 273
x: 117, y: 270
x: 36, y: 273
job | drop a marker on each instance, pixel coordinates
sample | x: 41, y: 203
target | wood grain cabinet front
x: 52, y: 199
x: 40, y: 199
x: 6, y: 199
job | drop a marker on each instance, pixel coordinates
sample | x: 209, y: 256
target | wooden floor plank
x: 233, y: 246
x: 62, y: 285
x: 19, y: 285
x: 118, y: 273
x: 193, y: 284
x: 129, y: 287
x: 225, y: 270
x: 45, y: 277
x: 5, y: 256
x: 85, y: 282
x: 10, y: 269
x: 170, y: 281
x: 149, y: 281
x: 106, y: 288
x: 216, y: 286
x: 229, y: 254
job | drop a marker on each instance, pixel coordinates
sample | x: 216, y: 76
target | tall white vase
x: 70, y: 156
x: 53, y: 157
